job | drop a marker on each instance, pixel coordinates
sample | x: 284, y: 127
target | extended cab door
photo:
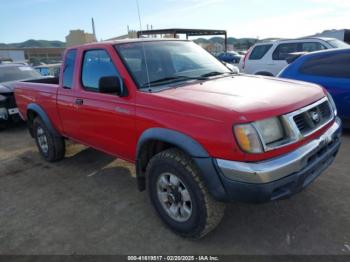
x: 66, y: 95
x: 104, y: 121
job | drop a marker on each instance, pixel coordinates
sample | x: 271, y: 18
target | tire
x: 194, y: 218
x: 2, y: 126
x: 51, y: 147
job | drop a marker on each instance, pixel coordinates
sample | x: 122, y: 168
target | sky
x: 21, y: 20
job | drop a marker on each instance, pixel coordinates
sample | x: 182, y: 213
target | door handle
x: 79, y: 101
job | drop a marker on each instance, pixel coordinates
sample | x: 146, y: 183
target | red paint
x: 205, y: 111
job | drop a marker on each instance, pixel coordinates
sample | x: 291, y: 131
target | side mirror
x: 112, y: 85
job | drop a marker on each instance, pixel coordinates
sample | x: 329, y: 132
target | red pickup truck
x: 199, y: 134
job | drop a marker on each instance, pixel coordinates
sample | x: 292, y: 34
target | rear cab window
x: 68, y: 71
x: 259, y: 52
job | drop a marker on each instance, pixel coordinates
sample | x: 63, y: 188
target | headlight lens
x: 331, y: 101
x: 271, y: 130
x: 252, y: 137
x: 248, y: 138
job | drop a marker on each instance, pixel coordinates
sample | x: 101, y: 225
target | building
x: 78, y: 37
x: 130, y: 35
x: 343, y: 34
x: 12, y: 55
x: 33, y: 56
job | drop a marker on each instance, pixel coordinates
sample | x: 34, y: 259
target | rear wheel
x: 179, y: 195
x: 51, y: 147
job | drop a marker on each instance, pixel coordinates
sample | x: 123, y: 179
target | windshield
x: 168, y: 61
x: 16, y: 73
x: 338, y: 44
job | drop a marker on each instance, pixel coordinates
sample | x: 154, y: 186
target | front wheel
x: 51, y: 147
x: 179, y: 195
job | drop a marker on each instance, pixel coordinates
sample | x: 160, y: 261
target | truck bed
x: 41, y: 91
x: 46, y: 80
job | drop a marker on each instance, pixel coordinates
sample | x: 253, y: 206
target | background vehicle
x: 230, y: 57
x: 9, y: 74
x: 269, y: 58
x: 330, y: 69
x: 49, y: 70
x: 198, y: 134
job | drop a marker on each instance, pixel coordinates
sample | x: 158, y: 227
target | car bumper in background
x: 283, y: 176
x: 7, y: 114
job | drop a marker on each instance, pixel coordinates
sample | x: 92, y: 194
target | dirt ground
x: 89, y: 204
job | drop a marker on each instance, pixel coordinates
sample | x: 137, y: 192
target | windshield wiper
x: 213, y: 73
x: 170, y: 79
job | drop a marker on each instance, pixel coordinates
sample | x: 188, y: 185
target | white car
x: 269, y: 58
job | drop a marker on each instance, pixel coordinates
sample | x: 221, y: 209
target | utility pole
x: 93, y: 28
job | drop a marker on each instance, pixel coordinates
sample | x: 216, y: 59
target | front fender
x: 191, y: 147
x: 184, y: 142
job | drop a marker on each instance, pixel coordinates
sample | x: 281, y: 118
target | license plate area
x: 13, y: 111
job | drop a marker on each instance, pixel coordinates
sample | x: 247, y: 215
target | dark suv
x: 9, y: 74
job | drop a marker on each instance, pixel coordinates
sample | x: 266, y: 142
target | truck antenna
x: 143, y: 47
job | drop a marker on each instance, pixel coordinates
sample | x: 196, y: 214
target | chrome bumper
x: 277, y: 168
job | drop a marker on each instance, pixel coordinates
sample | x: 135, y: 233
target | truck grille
x: 10, y: 100
x: 313, y: 118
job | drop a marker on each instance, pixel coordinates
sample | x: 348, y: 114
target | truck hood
x: 7, y: 87
x: 249, y: 96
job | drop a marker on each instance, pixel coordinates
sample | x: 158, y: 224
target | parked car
x: 9, y: 74
x: 242, y: 52
x: 230, y: 57
x: 199, y: 137
x: 330, y: 69
x: 49, y: 70
x: 269, y: 58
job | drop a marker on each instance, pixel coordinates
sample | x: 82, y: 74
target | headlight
x: 252, y: 137
x: 271, y: 130
x: 331, y: 101
x: 248, y: 138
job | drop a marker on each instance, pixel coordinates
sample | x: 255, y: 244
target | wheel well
x: 31, y: 115
x: 146, y: 152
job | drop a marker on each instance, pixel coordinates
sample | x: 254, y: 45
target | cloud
x: 295, y: 24
x: 187, y: 5
x: 334, y: 3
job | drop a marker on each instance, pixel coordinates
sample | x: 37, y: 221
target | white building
x: 343, y: 34
x: 14, y: 55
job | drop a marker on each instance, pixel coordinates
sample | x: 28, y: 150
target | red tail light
x: 245, y: 57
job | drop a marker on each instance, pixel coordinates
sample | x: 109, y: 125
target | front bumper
x: 9, y: 115
x: 283, y: 176
x: 8, y: 108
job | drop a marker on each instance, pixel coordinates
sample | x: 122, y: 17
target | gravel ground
x: 89, y: 204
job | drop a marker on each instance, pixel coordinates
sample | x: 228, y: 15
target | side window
x: 332, y: 65
x: 283, y: 50
x: 68, y: 70
x: 311, y: 47
x: 96, y: 64
x: 259, y: 52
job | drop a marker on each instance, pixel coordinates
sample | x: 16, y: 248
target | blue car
x: 330, y: 69
x: 230, y: 57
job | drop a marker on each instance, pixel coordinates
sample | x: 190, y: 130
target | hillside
x: 34, y: 44
x: 243, y: 43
